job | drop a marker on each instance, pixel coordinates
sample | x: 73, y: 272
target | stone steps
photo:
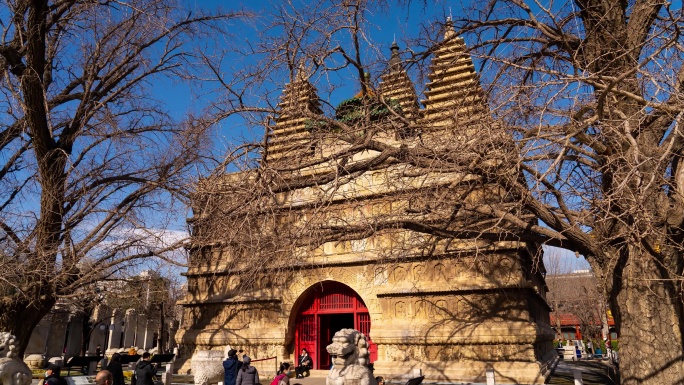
x: 318, y: 373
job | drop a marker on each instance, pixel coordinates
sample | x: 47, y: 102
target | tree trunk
x: 601, y: 307
x: 648, y: 311
x: 160, y: 338
x: 559, y: 330
x: 20, y: 318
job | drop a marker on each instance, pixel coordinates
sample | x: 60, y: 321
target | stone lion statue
x: 13, y: 371
x: 207, y: 366
x: 349, y: 351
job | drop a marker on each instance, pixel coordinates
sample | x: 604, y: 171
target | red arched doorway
x: 327, y: 308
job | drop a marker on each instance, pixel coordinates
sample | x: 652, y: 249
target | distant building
x: 570, y: 327
x: 122, y: 315
x: 579, y: 310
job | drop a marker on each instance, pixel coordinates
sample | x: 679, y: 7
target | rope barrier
x: 264, y: 359
x: 269, y: 358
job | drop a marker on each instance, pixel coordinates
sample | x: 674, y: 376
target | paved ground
x: 593, y: 373
x: 185, y: 379
x: 307, y: 381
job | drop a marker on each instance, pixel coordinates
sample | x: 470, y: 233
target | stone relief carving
x: 420, y: 308
x: 13, y: 371
x: 431, y: 309
x: 436, y: 352
x: 398, y: 274
x: 439, y: 272
x: 349, y: 351
x: 380, y: 277
x: 418, y: 273
x: 400, y: 309
x: 441, y: 309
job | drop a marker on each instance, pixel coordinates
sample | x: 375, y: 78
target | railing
x: 269, y: 358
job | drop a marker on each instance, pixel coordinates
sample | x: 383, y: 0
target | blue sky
x: 384, y: 27
x: 397, y: 23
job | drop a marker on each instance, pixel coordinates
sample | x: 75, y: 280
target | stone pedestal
x: 207, y: 367
x: 35, y: 361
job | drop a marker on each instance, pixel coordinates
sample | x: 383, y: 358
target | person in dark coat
x: 230, y: 368
x: 115, y: 368
x: 305, y: 364
x: 247, y: 375
x: 52, y: 376
x: 145, y: 371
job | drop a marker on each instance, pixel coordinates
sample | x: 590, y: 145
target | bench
x: 126, y: 359
x: 162, y: 359
x: 82, y: 362
x: 415, y: 381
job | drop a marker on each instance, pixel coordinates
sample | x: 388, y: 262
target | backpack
x: 277, y: 379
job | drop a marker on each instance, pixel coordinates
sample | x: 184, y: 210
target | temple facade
x: 340, y: 239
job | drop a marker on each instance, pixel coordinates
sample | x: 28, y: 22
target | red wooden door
x: 363, y: 324
x: 307, y: 336
x: 330, y: 306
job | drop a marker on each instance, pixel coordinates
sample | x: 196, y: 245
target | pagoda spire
x: 449, y: 29
x: 396, y: 85
x: 454, y: 93
x: 289, y: 139
x: 395, y: 59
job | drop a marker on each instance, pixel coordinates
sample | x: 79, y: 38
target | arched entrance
x: 327, y: 308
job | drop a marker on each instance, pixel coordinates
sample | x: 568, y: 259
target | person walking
x: 247, y: 375
x: 116, y: 369
x: 52, y: 376
x: 283, y: 375
x: 305, y: 364
x: 145, y: 371
x: 230, y: 368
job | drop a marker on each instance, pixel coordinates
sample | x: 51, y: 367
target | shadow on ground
x: 593, y: 373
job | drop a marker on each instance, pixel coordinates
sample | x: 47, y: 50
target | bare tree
x: 591, y: 90
x: 583, y: 144
x: 90, y: 160
x: 576, y: 295
x: 555, y: 265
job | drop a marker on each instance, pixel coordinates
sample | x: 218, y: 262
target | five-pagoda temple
x: 320, y: 238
